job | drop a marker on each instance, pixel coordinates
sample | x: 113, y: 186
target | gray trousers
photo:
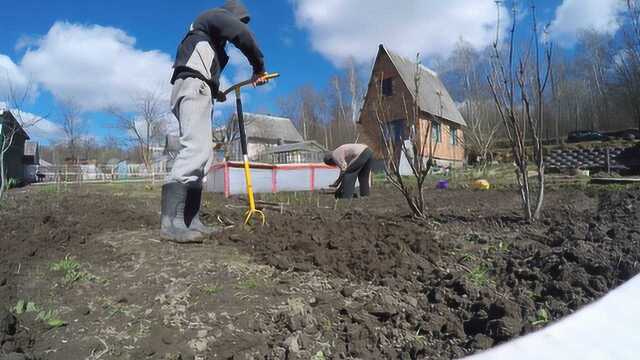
x: 191, y: 103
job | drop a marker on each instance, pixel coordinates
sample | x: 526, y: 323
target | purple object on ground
x: 442, y: 184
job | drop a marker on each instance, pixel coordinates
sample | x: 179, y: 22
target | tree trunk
x: 3, y: 176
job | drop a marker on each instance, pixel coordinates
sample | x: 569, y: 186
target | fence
x: 75, y: 174
x: 292, y: 158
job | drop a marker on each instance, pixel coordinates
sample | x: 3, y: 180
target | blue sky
x: 305, y: 40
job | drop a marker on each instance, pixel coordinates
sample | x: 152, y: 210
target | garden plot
x: 361, y: 279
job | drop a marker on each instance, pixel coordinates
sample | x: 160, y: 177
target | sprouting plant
x: 70, y: 270
x: 479, y: 276
x: 50, y: 317
x: 248, y: 284
x: 318, y: 356
x: 542, y: 317
x: 213, y: 290
x: 417, y: 339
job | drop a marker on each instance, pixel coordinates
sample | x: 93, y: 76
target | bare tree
x: 74, y: 127
x: 628, y: 60
x: 145, y: 125
x: 227, y: 137
x: 518, y: 86
x: 418, y: 147
x: 478, y: 108
x: 11, y: 130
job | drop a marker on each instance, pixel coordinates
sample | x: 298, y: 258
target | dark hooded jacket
x: 217, y: 27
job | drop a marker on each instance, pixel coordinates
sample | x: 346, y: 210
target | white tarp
x: 606, y: 330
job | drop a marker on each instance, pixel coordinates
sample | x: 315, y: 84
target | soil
x: 322, y: 280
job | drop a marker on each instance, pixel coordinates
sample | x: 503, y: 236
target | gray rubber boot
x: 172, y: 225
x: 192, y: 211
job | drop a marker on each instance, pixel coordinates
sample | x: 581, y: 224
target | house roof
x: 7, y: 117
x: 309, y: 146
x: 433, y: 95
x: 270, y: 127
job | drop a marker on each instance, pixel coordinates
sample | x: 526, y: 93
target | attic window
x: 387, y: 87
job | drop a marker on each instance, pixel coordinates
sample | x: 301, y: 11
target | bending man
x: 200, y: 59
x: 354, y: 161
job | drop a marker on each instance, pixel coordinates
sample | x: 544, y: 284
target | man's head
x: 237, y: 8
x: 328, y: 158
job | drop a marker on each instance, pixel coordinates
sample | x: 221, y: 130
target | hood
x: 237, y: 8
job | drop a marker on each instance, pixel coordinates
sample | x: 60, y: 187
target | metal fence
x: 292, y: 158
x: 74, y: 174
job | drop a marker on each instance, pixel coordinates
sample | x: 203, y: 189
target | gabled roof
x: 433, y: 95
x: 309, y: 146
x: 269, y: 127
x: 7, y: 118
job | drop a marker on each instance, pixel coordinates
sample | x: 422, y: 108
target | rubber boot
x: 192, y: 211
x: 172, y: 225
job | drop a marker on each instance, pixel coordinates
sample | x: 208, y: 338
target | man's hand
x: 221, y: 97
x: 259, y: 79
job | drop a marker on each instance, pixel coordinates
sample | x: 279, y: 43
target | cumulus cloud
x: 572, y: 16
x: 342, y: 29
x: 12, y: 78
x: 95, y: 66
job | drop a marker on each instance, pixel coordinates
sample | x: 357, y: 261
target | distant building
x: 299, y: 153
x: 393, y: 78
x: 263, y: 133
x: 14, y: 158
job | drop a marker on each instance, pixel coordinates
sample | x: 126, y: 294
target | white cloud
x: 341, y: 29
x: 12, y: 79
x: 572, y: 16
x: 95, y: 66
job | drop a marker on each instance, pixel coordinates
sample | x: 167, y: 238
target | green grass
x: 248, y: 284
x: 49, y: 317
x: 70, y: 270
x: 213, y: 290
x: 542, y: 317
x: 479, y: 276
x: 319, y: 356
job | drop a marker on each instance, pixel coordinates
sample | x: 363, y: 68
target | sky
x: 101, y: 54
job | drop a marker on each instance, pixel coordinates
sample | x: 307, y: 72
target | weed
x: 70, y: 270
x: 213, y: 290
x: 417, y: 339
x: 542, y: 317
x: 479, y: 276
x: 467, y: 257
x: 318, y: 356
x: 502, y: 247
x: 12, y: 183
x: 49, y: 317
x: 248, y: 284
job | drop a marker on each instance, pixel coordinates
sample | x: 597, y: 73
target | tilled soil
x: 357, y: 279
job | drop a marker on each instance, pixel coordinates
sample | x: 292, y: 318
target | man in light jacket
x: 355, y: 162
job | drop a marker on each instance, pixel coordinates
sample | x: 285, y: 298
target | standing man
x: 354, y: 161
x: 200, y: 59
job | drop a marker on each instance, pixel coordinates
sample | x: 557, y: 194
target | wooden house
x: 393, y: 86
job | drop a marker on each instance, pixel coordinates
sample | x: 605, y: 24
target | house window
x: 454, y: 135
x: 436, y: 132
x: 387, y: 87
